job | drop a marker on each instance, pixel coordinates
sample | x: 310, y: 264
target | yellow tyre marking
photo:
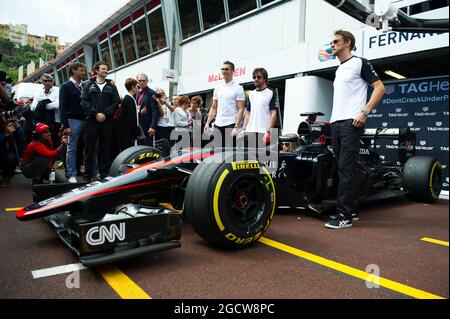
x: 383, y: 282
x: 216, y: 199
x: 435, y: 241
x: 273, y: 191
x: 431, y: 179
x: 121, y: 283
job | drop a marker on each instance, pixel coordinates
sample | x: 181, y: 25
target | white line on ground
x: 56, y: 270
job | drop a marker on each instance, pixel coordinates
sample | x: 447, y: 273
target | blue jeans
x: 71, y: 155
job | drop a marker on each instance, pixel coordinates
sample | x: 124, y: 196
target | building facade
x: 18, y: 34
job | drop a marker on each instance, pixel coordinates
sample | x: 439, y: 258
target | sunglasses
x: 47, y: 81
x: 335, y: 42
x: 225, y: 69
x: 257, y: 77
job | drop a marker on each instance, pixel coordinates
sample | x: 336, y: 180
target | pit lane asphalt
x: 388, y: 235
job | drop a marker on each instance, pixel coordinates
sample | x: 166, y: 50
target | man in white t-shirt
x: 228, y: 105
x: 350, y: 112
x: 50, y: 96
x: 261, y: 116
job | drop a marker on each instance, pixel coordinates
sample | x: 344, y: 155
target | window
x: 156, y: 23
x: 190, y: 24
x: 427, y: 6
x: 213, y: 13
x: 239, y: 7
x: 128, y: 44
x: 60, y: 76
x: 81, y: 59
x: 264, y: 2
x: 106, y: 56
x: 117, y: 50
x: 141, y: 38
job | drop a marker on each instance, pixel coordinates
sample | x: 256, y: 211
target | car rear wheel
x: 135, y: 155
x: 422, y: 178
x: 230, y: 204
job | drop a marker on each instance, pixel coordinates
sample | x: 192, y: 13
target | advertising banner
x: 423, y: 106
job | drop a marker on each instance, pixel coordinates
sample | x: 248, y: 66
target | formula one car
x: 229, y: 196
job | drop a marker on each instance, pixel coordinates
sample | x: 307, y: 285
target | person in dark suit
x: 128, y: 125
x: 148, y: 110
x: 72, y: 115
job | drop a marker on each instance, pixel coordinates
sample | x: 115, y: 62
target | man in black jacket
x: 99, y: 100
x: 72, y: 115
x: 148, y: 110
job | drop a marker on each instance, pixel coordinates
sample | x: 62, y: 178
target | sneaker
x: 339, y: 221
x: 355, y: 216
x: 73, y: 180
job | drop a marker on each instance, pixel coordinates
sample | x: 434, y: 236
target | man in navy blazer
x: 148, y: 110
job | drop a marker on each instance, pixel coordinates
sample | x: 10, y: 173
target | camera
x: 158, y: 96
x: 7, y: 114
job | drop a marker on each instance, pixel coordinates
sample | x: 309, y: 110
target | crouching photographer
x: 39, y: 156
x: 8, y: 151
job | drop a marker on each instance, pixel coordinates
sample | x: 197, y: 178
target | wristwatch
x: 365, y: 112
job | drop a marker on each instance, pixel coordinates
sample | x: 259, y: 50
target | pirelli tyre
x: 229, y: 203
x: 135, y: 155
x: 422, y: 178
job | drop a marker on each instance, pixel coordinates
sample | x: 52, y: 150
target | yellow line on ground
x: 435, y: 241
x: 13, y: 209
x: 121, y: 283
x: 382, y: 282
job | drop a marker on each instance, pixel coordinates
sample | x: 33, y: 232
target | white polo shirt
x: 227, y: 94
x: 353, y: 78
x: 260, y: 104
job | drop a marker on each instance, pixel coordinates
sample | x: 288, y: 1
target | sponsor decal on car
x: 243, y: 165
x: 98, y: 235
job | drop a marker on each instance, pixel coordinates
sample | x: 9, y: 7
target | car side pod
x: 132, y: 231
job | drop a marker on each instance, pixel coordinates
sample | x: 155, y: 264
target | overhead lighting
x: 394, y: 75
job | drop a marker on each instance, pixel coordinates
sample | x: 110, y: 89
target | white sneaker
x: 73, y: 180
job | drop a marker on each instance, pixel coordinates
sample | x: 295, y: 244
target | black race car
x: 229, y: 196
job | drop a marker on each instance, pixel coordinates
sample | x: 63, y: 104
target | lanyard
x: 141, y: 95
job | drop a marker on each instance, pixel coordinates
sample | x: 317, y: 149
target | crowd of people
x: 85, y: 123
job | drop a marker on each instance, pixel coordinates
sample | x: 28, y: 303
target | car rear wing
x: 405, y: 140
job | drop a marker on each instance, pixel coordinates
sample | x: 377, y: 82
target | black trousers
x: 225, y: 131
x: 346, y: 139
x: 103, y: 133
x: 164, y: 132
x: 38, y: 169
x: 8, y: 164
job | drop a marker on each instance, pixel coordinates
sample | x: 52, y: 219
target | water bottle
x: 52, y: 176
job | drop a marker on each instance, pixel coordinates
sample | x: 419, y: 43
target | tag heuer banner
x: 423, y: 106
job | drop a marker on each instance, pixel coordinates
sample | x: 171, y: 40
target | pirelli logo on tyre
x: 244, y: 165
x: 144, y: 156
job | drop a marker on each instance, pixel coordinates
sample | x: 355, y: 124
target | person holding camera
x: 8, y: 151
x: 166, y: 120
x: 39, y: 156
x: 4, y: 94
